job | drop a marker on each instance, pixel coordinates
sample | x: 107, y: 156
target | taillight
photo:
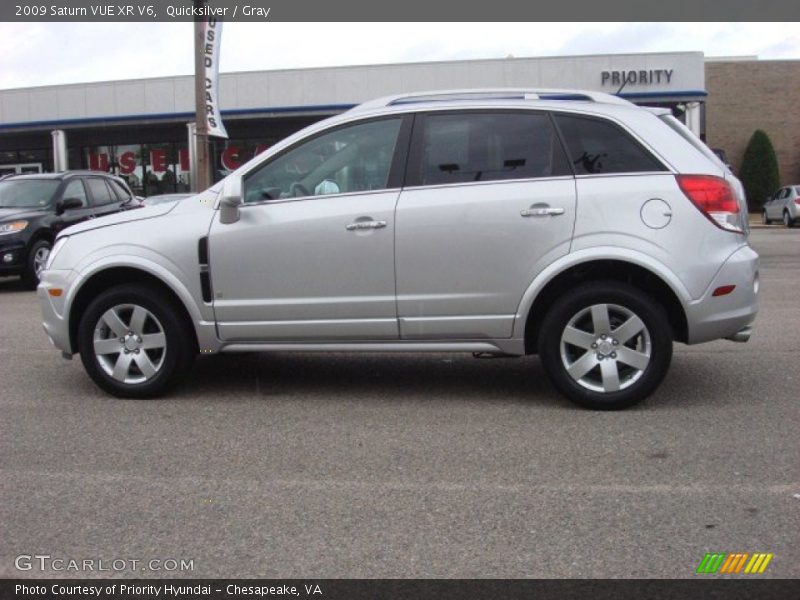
x: 714, y: 197
x: 797, y: 201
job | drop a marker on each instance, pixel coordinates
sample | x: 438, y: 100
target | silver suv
x: 570, y: 224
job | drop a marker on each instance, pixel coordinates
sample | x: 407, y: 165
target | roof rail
x: 492, y: 94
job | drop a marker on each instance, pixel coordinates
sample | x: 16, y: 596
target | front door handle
x: 358, y: 225
x: 541, y: 211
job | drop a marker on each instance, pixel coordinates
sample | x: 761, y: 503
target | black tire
x: 765, y: 219
x: 787, y: 220
x: 638, y: 384
x: 30, y: 277
x: 178, y: 353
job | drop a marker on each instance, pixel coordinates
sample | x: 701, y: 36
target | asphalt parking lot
x: 323, y: 465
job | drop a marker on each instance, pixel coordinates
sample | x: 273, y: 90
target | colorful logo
x: 736, y: 562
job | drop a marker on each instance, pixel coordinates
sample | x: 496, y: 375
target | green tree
x: 759, y: 172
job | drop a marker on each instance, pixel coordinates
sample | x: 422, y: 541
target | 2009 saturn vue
x: 573, y: 225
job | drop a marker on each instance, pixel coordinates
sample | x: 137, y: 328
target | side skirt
x: 514, y: 347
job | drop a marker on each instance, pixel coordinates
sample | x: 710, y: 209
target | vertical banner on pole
x: 191, y: 137
x: 212, y: 40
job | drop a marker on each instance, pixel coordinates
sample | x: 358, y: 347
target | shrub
x: 759, y: 172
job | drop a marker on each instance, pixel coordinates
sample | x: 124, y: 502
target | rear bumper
x: 743, y: 335
x: 728, y: 316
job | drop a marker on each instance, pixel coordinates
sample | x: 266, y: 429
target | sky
x: 35, y: 54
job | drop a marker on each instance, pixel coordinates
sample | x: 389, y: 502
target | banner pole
x: 202, y: 179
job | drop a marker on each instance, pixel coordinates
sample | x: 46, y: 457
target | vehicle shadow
x: 382, y: 377
x: 13, y: 284
x: 386, y: 377
x: 708, y: 380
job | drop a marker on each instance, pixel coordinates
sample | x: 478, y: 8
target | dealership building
x: 139, y: 128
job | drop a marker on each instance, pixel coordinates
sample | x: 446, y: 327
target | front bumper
x: 728, y: 316
x: 12, y: 256
x: 54, y: 308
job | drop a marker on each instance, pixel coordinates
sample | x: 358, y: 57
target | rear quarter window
x: 597, y: 146
x: 119, y: 190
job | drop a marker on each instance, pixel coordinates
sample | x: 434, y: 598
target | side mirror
x: 229, y: 209
x: 231, y: 200
x: 68, y: 204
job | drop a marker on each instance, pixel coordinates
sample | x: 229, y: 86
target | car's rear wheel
x: 134, y: 343
x: 37, y: 260
x: 606, y: 345
x: 787, y: 219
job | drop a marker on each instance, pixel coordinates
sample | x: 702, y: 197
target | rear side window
x: 100, y: 192
x: 596, y: 146
x: 465, y: 147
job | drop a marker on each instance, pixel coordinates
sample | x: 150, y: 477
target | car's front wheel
x: 37, y: 260
x: 606, y: 345
x: 764, y: 218
x: 134, y: 343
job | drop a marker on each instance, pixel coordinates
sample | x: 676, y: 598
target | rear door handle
x: 358, y: 225
x: 541, y: 211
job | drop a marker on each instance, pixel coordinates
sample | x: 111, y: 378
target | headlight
x: 12, y: 227
x: 60, y: 242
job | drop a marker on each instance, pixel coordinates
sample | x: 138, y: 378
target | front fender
x: 173, y: 277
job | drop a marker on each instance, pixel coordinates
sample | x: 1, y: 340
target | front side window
x: 354, y: 158
x: 75, y: 189
x: 596, y: 146
x: 100, y: 192
x: 466, y: 147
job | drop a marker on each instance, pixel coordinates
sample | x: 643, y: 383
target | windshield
x: 27, y: 193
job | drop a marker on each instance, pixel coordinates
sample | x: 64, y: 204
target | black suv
x: 34, y: 208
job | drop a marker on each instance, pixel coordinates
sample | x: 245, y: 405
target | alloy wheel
x: 605, y: 347
x: 40, y: 260
x: 130, y: 343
